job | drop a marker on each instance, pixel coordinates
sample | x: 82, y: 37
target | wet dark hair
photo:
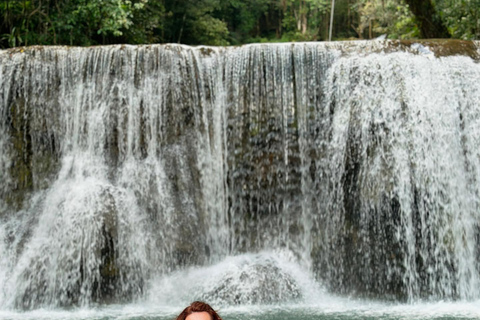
x: 198, y: 306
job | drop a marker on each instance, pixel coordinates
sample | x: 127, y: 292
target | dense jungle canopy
x: 230, y: 22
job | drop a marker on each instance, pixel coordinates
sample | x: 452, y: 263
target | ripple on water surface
x: 328, y: 307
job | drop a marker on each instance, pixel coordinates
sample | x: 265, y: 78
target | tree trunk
x: 430, y: 25
x: 304, y: 17
x: 370, y: 35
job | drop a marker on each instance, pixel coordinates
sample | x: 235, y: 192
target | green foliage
x: 194, y: 22
x: 378, y: 17
x: 77, y: 22
x: 462, y: 17
x: 303, y: 20
x: 210, y: 31
x: 220, y: 22
x: 104, y: 21
x: 403, y: 24
x: 13, y: 38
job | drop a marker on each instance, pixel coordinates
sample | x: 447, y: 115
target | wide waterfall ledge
x: 260, y: 174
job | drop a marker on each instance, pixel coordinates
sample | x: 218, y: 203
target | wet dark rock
x: 254, y: 284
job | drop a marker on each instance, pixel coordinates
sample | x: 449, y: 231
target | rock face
x: 121, y: 163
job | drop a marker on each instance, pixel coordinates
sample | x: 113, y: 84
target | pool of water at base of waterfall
x: 330, y: 309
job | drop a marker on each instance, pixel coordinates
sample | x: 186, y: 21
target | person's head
x: 198, y: 311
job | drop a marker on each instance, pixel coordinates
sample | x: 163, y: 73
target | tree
x: 367, y: 15
x: 378, y: 17
x: 462, y: 17
x: 194, y: 22
x: 304, y: 19
x: 78, y: 22
x: 223, y: 22
x: 430, y: 25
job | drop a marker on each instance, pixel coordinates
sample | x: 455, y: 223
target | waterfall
x: 359, y: 161
x: 404, y: 172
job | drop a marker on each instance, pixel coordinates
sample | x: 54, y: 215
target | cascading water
x: 404, y: 172
x: 121, y: 166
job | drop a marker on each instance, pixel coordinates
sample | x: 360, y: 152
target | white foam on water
x: 170, y: 294
x: 326, y: 307
x: 243, y: 275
